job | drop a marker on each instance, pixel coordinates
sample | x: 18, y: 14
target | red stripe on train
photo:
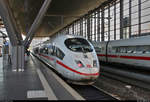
x: 126, y: 57
x: 86, y: 74
x: 65, y: 66
x: 47, y: 57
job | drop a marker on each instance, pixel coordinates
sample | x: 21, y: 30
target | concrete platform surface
x: 36, y: 82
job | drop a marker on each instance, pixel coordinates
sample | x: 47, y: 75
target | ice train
x: 133, y: 52
x: 71, y: 56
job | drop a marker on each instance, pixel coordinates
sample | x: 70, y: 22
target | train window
x: 50, y: 50
x: 98, y: 49
x: 45, y: 50
x: 123, y: 50
x: 103, y: 49
x: 36, y: 50
x: 146, y: 52
x: 113, y: 50
x: 59, y: 54
x: 54, y: 50
x: 78, y: 45
x: 131, y: 49
x: 139, y: 49
x: 145, y: 49
x: 109, y: 50
x: 41, y: 50
x: 118, y: 50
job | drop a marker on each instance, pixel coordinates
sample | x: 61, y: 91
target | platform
x: 34, y: 83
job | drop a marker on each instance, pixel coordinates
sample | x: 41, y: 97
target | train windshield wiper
x: 87, y: 48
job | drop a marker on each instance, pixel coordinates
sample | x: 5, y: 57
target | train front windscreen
x: 78, y: 45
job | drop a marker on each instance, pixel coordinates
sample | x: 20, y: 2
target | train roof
x: 58, y: 40
x: 142, y: 40
x: 65, y: 36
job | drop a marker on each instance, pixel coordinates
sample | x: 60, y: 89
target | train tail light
x: 79, y: 63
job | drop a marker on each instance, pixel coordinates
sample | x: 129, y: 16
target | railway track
x: 91, y: 92
x: 134, y: 77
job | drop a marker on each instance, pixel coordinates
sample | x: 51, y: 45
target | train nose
x: 88, y: 73
x: 87, y: 63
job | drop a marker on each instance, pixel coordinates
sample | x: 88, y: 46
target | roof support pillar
x: 17, y: 57
x: 17, y: 51
x: 36, y: 23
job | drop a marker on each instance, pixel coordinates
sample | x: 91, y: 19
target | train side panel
x: 135, y: 51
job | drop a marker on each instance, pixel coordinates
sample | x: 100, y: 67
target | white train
x: 134, y: 51
x: 72, y: 56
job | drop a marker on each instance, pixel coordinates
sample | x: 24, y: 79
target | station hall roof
x: 25, y: 12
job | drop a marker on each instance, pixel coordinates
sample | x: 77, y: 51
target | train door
x: 109, y: 53
x: 53, y: 56
x: 106, y: 51
x: 59, y: 58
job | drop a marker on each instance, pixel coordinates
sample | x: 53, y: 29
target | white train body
x: 134, y: 51
x: 75, y: 58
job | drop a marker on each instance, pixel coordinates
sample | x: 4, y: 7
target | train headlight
x: 79, y: 63
x: 94, y: 63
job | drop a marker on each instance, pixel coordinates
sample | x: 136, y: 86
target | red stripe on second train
x: 126, y: 57
x: 136, y: 57
x: 86, y: 74
x: 103, y: 55
x: 114, y: 56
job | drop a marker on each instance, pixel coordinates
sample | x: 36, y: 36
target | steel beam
x: 88, y: 27
x: 102, y: 25
x: 73, y: 28
x: 139, y: 16
x: 91, y: 26
x: 115, y: 20
x: 36, y: 23
x: 130, y: 11
x: 109, y: 23
x: 98, y: 26
x: 95, y: 27
x: 81, y: 26
x: 121, y: 19
x: 10, y: 23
